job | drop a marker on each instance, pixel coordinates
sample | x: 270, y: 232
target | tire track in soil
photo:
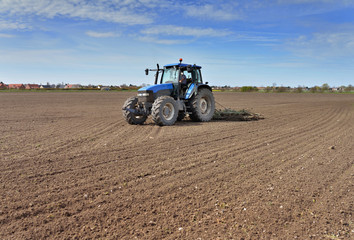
x: 72, y: 144
x: 278, y: 147
x: 81, y: 126
x: 207, y: 154
x: 36, y: 155
x: 81, y: 137
x: 247, y: 144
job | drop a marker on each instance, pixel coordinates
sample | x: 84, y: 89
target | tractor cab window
x: 199, y: 77
x: 196, y: 76
x: 187, y: 75
x: 170, y: 75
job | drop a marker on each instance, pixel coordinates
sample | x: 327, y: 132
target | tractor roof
x: 181, y: 65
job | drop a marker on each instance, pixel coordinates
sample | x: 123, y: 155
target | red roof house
x: 16, y: 86
x: 73, y: 86
x: 32, y: 86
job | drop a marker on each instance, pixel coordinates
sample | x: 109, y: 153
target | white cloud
x: 158, y: 34
x: 163, y: 41
x: 110, y: 11
x: 101, y: 34
x: 343, y: 2
x: 4, y: 35
x: 179, y: 31
x: 223, y: 12
x: 185, y: 31
x: 323, y: 45
x: 255, y: 37
x: 7, y: 25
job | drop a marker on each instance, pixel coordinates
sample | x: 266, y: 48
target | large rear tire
x: 202, y: 106
x: 164, y: 111
x: 131, y: 118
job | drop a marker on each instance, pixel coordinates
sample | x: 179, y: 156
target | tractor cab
x: 182, y: 76
x: 172, y: 73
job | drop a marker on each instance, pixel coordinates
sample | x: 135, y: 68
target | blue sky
x: 237, y: 43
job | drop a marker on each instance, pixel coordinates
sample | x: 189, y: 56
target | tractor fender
x: 194, y: 88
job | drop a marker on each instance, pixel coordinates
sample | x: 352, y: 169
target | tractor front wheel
x: 131, y: 118
x: 164, y: 111
x: 202, y: 106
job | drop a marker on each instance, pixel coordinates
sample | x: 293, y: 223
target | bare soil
x: 72, y: 168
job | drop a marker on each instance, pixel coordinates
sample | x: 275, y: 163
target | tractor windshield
x: 170, y: 75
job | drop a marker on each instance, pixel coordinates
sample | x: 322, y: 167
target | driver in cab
x: 183, y: 82
x: 183, y: 79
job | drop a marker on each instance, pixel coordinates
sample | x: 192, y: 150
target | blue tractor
x: 179, y: 91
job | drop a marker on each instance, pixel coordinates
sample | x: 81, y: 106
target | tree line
x: 315, y: 89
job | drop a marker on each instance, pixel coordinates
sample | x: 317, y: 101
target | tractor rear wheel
x: 131, y: 118
x: 202, y: 106
x: 164, y: 111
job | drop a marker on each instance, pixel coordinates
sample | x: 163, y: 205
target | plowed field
x: 72, y: 168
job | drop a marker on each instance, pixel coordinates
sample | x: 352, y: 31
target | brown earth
x: 72, y: 168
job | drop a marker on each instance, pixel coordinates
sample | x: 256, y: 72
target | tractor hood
x: 150, y: 93
x: 156, y: 88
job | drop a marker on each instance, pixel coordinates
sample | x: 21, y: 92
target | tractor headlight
x: 145, y: 94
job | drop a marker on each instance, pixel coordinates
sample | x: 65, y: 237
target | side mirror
x: 189, y: 68
x: 146, y: 71
x: 206, y: 82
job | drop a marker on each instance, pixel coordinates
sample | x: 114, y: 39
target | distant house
x: 32, y: 86
x: 61, y: 86
x: 16, y: 86
x: 46, y: 86
x: 3, y: 85
x: 73, y: 86
x: 104, y: 88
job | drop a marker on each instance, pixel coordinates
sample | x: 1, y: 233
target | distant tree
x: 349, y: 88
x: 325, y: 87
x: 248, y: 89
x: 315, y: 89
x: 281, y: 89
x: 124, y: 86
x: 298, y: 89
x: 268, y: 89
